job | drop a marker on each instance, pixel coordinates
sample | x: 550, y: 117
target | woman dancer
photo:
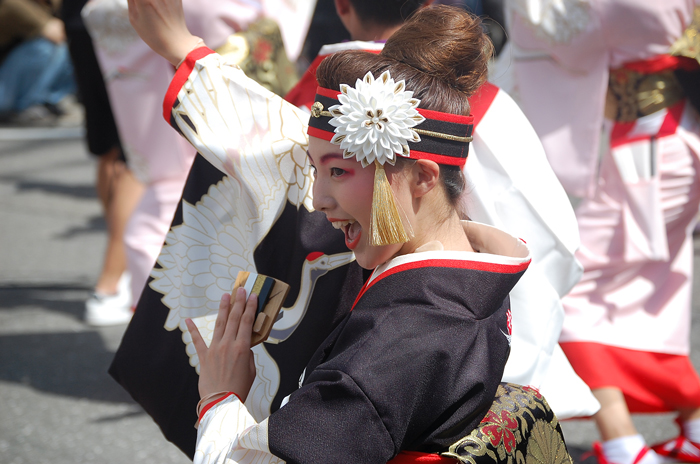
x: 415, y: 365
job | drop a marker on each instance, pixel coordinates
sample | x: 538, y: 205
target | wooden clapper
x: 271, y: 294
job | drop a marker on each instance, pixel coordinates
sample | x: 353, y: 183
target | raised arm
x: 161, y: 24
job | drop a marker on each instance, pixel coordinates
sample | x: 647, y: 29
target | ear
x: 342, y: 7
x: 426, y: 177
x: 427, y: 3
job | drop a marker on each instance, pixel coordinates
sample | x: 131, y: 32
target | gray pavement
x: 57, y: 403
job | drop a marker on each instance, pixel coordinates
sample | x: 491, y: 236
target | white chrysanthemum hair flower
x: 374, y: 120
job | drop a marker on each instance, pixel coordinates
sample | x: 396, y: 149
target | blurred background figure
x: 605, y: 85
x: 35, y: 70
x: 136, y: 80
x: 117, y: 188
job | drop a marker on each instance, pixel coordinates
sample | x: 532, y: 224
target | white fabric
x: 511, y: 186
x: 491, y: 245
x: 229, y: 434
x: 561, y: 86
x: 691, y: 430
x: 293, y: 18
x: 626, y: 297
x: 624, y: 450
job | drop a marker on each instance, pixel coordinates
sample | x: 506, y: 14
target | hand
x: 161, y: 24
x: 228, y: 364
x: 54, y: 31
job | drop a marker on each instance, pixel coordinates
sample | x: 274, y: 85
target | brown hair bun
x: 441, y: 52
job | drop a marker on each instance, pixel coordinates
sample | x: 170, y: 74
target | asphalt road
x: 57, y: 403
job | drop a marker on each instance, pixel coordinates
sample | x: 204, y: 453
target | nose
x: 323, y: 201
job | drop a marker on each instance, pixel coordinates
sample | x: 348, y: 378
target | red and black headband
x: 443, y: 138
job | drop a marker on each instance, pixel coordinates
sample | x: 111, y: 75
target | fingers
x: 236, y: 312
x: 222, y: 316
x: 197, y: 339
x: 245, y: 327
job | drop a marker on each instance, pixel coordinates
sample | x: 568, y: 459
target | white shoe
x: 115, y: 309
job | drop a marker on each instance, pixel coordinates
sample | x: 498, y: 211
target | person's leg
x: 112, y: 300
x: 119, y: 191
x: 18, y: 72
x: 61, y: 82
x: 30, y: 73
x: 613, y: 419
x: 622, y: 444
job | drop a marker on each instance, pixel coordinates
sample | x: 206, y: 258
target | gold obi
x: 632, y: 95
x: 260, y: 53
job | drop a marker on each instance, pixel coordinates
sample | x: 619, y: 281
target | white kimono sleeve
x: 243, y: 129
x: 229, y: 434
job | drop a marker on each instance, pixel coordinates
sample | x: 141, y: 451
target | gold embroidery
x: 632, y: 95
x: 520, y: 428
x: 688, y: 44
x: 260, y: 53
x: 317, y: 111
x: 440, y: 135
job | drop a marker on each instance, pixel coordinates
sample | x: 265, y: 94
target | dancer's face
x: 343, y: 191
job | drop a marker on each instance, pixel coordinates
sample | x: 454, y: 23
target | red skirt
x: 651, y: 382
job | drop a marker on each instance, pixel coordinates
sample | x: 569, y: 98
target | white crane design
x: 316, y: 265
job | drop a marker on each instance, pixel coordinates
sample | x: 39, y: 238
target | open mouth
x: 352, y: 230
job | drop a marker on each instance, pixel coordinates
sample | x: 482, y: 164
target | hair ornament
x: 375, y: 120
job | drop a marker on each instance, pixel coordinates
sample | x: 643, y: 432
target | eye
x: 313, y: 170
x: 337, y: 172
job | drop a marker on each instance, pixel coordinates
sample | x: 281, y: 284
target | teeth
x: 341, y: 224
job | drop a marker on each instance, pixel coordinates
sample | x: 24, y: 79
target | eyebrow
x: 329, y: 156
x: 325, y: 158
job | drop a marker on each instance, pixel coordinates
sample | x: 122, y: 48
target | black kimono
x: 414, y: 366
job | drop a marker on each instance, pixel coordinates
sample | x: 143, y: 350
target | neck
x: 371, y: 33
x: 430, y: 226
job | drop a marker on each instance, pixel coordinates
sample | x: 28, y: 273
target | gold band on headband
x: 317, y: 111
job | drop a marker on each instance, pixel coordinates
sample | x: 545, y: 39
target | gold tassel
x: 386, y: 227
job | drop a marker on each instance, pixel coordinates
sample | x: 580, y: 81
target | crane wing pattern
x: 259, y: 141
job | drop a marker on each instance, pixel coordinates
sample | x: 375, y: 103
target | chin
x: 375, y: 256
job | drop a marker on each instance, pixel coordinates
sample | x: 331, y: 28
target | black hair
x: 385, y: 12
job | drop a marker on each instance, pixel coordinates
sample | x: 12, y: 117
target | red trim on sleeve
x: 481, y: 101
x: 409, y: 457
x: 214, y: 403
x: 180, y: 77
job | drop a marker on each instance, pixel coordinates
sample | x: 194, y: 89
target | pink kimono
x: 639, y: 200
x: 136, y: 80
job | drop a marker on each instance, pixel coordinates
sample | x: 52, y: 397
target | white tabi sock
x: 624, y: 450
x: 691, y: 430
